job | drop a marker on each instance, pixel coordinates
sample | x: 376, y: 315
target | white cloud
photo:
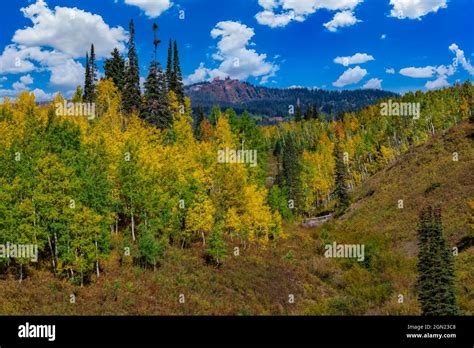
x: 279, y: 13
x: 390, y: 71
x: 12, y: 61
x: 236, y: 59
x: 350, y: 76
x: 341, y: 19
x: 53, y: 41
x: 65, y: 71
x: 440, y: 82
x: 42, y: 96
x: 442, y: 72
x: 26, y: 79
x: 460, y: 58
x: 20, y: 86
x: 418, y: 72
x: 68, y: 30
x: 415, y: 9
x: 357, y: 58
x: 373, y: 84
x: 199, y: 75
x: 69, y: 74
x: 152, y: 8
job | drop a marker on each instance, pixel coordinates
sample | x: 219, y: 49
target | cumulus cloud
x: 199, y: 75
x: 13, y: 61
x: 55, y: 39
x: 440, y: 82
x: 413, y: 72
x: 441, y: 72
x: 350, y: 77
x: 460, y: 58
x: 68, y: 30
x: 415, y: 9
x: 69, y: 74
x: 357, y: 58
x: 390, y: 71
x: 65, y: 71
x: 26, y: 79
x: 21, y: 85
x: 341, y: 19
x: 236, y: 59
x: 279, y: 13
x: 42, y: 96
x: 373, y: 84
x: 152, y: 8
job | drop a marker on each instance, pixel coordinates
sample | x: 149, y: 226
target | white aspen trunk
x: 133, y: 226
x: 97, y: 259
x: 52, y: 254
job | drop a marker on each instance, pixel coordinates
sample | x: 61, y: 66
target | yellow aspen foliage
x: 200, y: 217
x: 25, y: 101
x: 223, y: 134
x: 108, y: 99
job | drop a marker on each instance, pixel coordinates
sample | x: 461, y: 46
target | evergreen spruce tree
x: 177, y: 75
x: 315, y: 111
x: 291, y: 171
x: 115, y: 69
x: 87, y: 80
x: 156, y: 110
x: 131, y: 94
x: 341, y: 190
x: 298, y: 112
x: 214, y: 115
x: 90, y: 78
x: 197, y: 126
x: 169, y: 67
x: 310, y: 112
x: 435, y: 281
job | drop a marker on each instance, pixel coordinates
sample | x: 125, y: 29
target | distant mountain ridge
x: 275, y: 102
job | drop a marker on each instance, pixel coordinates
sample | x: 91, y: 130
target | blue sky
x: 396, y: 45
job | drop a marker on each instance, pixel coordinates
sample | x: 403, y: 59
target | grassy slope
x: 260, y: 281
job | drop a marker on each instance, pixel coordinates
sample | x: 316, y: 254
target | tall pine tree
x: 115, y: 69
x: 169, y: 67
x: 87, y: 81
x: 197, y: 126
x: 90, y: 78
x: 131, y: 93
x: 435, y: 281
x: 178, y: 86
x: 340, y: 176
x: 291, y: 171
x: 156, y: 110
x: 298, y: 112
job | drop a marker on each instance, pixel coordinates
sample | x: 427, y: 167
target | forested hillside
x: 274, y: 102
x: 129, y: 213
